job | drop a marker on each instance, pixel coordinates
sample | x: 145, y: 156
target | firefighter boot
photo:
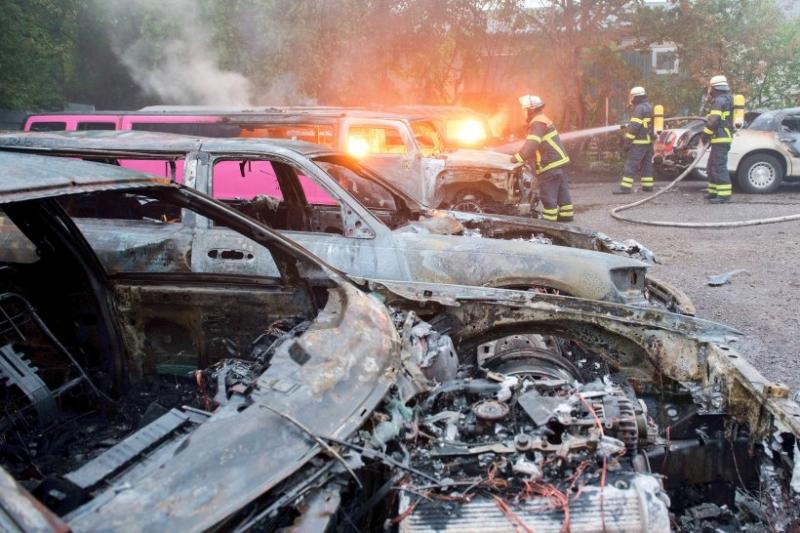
x: 723, y: 194
x: 625, y: 186
x: 566, y: 213
x: 647, y: 184
x: 711, y: 191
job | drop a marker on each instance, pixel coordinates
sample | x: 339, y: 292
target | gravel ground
x: 763, y: 302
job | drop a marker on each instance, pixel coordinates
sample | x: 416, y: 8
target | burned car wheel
x: 759, y: 174
x: 471, y: 203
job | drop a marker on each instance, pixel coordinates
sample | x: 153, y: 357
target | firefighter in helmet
x: 719, y: 132
x: 639, y: 142
x: 544, y: 152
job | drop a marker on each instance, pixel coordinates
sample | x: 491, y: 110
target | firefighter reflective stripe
x: 550, y: 214
x: 717, y: 112
x: 712, y: 188
x: 534, y: 138
x: 563, y: 157
x: 519, y: 158
x: 642, y: 141
x: 626, y: 182
x: 708, y: 131
x: 630, y: 136
x: 638, y: 120
x: 728, y: 138
x: 566, y: 210
x: 647, y: 181
x: 724, y: 189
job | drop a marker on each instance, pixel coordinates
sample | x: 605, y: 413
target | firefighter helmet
x: 530, y: 101
x: 637, y: 91
x: 719, y: 82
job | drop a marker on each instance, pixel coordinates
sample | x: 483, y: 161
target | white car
x: 766, y: 152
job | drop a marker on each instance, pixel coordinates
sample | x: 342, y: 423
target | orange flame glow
x: 357, y: 146
x: 467, y: 132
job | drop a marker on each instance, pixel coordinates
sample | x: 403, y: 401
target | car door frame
x: 405, y: 171
x: 365, y: 237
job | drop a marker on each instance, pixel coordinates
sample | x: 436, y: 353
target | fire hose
x: 702, y: 225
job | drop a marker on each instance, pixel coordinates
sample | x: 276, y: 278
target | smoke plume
x: 178, y: 62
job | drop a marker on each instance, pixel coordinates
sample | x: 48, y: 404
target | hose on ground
x: 699, y: 225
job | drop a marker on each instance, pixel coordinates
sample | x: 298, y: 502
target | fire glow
x: 357, y: 146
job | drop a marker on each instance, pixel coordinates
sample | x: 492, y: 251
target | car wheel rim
x: 469, y: 206
x: 761, y: 175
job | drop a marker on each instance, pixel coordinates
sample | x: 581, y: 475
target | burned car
x: 407, y: 149
x: 352, y: 219
x: 192, y: 399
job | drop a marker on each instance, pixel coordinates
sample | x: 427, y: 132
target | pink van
x: 231, y: 187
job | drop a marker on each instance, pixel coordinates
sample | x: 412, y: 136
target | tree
x: 750, y: 41
x: 565, y: 31
x: 37, y: 52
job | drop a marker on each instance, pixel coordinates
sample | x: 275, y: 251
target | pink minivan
x: 184, y: 124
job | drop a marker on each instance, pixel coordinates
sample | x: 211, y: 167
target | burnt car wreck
x: 204, y: 400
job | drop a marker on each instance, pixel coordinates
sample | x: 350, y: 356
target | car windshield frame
x: 765, y: 122
x: 353, y: 165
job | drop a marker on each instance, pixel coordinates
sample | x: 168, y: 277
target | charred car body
x: 310, y: 403
x: 349, y: 217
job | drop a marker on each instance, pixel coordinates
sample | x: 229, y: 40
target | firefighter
x: 719, y: 132
x: 639, y: 142
x: 544, y: 152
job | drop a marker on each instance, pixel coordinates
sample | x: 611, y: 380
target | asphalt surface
x: 763, y: 301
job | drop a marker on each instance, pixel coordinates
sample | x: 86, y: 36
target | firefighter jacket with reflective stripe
x: 719, y: 125
x: 543, y: 148
x: 640, y: 127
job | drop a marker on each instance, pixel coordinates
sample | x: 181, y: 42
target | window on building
x: 665, y: 59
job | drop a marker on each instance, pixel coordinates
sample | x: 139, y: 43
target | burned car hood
x: 478, y: 159
x: 330, y: 378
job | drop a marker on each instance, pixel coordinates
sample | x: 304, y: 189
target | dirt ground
x: 763, y: 302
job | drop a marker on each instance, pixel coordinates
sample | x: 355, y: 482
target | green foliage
x: 37, y: 52
x: 750, y: 41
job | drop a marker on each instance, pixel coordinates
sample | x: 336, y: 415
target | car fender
x: 505, y: 263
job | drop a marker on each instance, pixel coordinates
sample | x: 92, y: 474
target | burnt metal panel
x: 26, y: 177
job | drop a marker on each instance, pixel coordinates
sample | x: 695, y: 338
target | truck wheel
x: 470, y: 203
x: 759, y: 174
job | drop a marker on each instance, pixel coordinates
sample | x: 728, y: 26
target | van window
x: 364, y: 140
x: 202, y: 129
x: 316, y: 134
x: 255, y: 187
x: 48, y: 126
x: 89, y: 126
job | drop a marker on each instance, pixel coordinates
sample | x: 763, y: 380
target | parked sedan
x: 764, y: 154
x: 165, y: 396
x: 342, y: 212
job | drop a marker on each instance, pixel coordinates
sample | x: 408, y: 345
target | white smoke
x: 183, y: 66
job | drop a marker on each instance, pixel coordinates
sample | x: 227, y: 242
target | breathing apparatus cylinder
x: 738, y: 111
x: 658, y: 118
